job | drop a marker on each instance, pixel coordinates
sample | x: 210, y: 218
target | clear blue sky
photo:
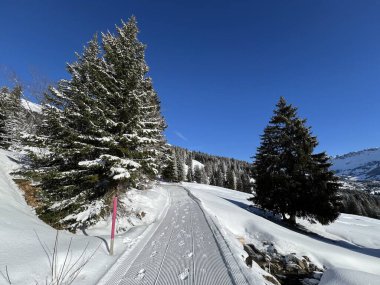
x: 220, y: 66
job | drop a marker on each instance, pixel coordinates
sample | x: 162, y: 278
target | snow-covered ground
x: 23, y: 236
x: 349, y: 248
x: 181, y: 250
x: 360, y: 165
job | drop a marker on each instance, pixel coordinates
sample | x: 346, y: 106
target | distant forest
x: 213, y: 170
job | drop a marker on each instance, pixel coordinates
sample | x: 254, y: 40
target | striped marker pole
x: 113, y: 224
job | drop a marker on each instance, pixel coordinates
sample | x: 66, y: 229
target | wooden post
x: 113, y: 224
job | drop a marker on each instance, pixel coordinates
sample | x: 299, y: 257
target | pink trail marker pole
x: 113, y: 224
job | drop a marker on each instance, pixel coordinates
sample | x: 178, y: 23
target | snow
x: 23, y: 254
x: 358, y: 164
x: 351, y: 243
x: 340, y: 276
x: 31, y: 106
x: 182, y: 249
x: 195, y: 164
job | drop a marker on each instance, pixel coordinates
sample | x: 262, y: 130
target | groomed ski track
x: 185, y: 248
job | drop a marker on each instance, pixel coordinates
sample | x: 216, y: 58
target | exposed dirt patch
x: 30, y: 192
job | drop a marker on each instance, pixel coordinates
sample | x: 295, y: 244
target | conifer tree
x: 190, y: 174
x: 170, y: 172
x: 138, y: 117
x: 12, y: 118
x: 290, y: 179
x: 198, y: 174
x: 3, y: 93
x: 102, y: 130
x: 231, y: 182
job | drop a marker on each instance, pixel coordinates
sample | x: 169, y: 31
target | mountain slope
x: 360, y: 165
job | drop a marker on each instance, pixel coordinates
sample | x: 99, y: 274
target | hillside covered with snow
x: 27, y: 243
x: 360, y: 165
x: 348, y: 249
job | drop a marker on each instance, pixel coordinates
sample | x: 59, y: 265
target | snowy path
x: 186, y: 248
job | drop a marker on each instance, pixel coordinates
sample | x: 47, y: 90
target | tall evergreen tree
x: 198, y: 174
x: 290, y: 179
x: 102, y: 130
x: 12, y: 117
x: 138, y: 116
x: 190, y: 173
x: 3, y: 93
x: 170, y: 172
x: 231, y: 181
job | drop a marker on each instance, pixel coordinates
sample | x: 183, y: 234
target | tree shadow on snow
x: 375, y: 252
x: 101, y: 238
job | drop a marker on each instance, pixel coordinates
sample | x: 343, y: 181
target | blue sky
x: 220, y: 66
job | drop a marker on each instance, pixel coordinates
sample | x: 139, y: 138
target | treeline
x: 17, y: 118
x: 213, y: 170
x: 358, y: 202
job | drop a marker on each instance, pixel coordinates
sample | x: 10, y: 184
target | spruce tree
x: 13, y: 123
x: 290, y: 179
x: 102, y: 131
x: 3, y: 141
x: 198, y: 174
x: 190, y: 173
x: 137, y: 114
x: 231, y: 182
x: 170, y: 172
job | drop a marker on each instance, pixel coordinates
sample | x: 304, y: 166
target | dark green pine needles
x: 102, y: 131
x: 290, y: 179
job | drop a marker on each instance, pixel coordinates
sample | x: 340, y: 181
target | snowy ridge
x: 360, y: 165
x: 28, y: 105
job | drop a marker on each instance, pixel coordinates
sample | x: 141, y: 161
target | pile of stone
x: 286, y: 269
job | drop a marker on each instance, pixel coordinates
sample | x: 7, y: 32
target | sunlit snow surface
x: 351, y: 245
x: 184, y: 248
x: 22, y: 253
x: 360, y: 165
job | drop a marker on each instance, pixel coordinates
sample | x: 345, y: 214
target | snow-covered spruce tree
x: 170, y: 172
x: 138, y: 118
x: 12, y: 118
x: 102, y: 131
x: 290, y: 179
x: 231, y: 182
x: 3, y: 93
x: 189, y: 163
x: 200, y: 175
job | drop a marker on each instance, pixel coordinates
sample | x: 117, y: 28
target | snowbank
x: 23, y: 254
x: 340, y: 276
x: 351, y: 243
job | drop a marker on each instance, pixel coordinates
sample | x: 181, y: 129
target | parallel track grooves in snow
x: 234, y: 270
x: 126, y: 260
x: 183, y: 249
x: 166, y: 251
x: 192, y: 242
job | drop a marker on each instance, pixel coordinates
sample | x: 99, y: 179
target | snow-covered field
x: 23, y: 236
x: 360, y: 165
x: 349, y: 248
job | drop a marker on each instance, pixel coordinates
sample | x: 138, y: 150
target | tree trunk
x: 292, y: 219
